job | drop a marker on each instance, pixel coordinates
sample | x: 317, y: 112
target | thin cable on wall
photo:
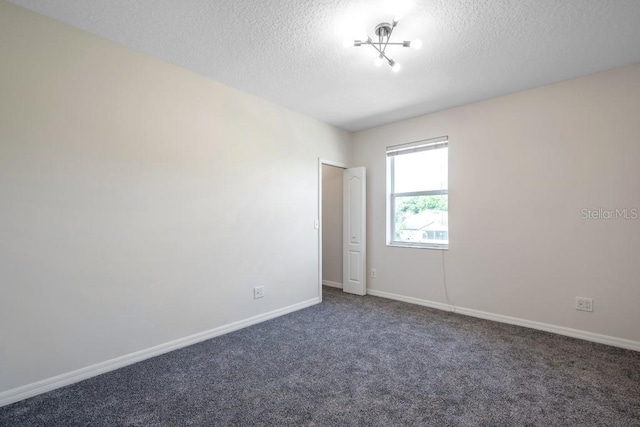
x: 444, y: 270
x: 444, y: 284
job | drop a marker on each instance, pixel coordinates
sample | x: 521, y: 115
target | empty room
x: 329, y: 213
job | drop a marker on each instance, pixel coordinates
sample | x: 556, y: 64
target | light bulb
x: 395, y: 67
x: 347, y: 43
x: 416, y: 44
x: 379, y: 61
x: 399, y: 8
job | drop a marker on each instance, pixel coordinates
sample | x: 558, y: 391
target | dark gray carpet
x: 359, y: 361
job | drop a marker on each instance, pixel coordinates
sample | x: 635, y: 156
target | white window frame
x: 412, y: 147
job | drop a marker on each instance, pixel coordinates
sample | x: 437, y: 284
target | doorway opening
x: 332, y: 226
x: 342, y: 227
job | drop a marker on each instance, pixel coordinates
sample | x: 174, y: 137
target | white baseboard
x: 43, y: 386
x: 560, y: 330
x: 410, y: 300
x: 332, y: 284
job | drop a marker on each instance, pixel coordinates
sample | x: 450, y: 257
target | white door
x: 354, y: 231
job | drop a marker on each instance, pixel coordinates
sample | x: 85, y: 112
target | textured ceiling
x: 290, y: 51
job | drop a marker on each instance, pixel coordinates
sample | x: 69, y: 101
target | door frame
x: 337, y: 165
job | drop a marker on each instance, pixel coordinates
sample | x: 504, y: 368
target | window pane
x: 421, y: 219
x: 421, y: 171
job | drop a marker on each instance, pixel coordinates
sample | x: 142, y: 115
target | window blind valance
x: 417, y: 146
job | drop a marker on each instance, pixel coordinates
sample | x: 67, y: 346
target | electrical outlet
x: 258, y: 292
x: 373, y: 272
x: 584, y: 304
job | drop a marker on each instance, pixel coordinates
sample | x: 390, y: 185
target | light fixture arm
x: 385, y: 30
x: 382, y: 54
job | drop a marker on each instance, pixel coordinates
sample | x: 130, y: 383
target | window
x: 418, y: 196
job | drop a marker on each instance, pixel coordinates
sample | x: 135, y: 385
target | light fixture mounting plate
x: 383, y: 29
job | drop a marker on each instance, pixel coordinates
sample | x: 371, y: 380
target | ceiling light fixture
x: 384, y: 31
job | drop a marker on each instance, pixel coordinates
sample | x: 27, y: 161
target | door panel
x: 354, y: 267
x: 354, y: 231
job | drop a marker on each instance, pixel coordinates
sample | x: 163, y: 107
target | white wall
x: 332, y: 224
x: 522, y: 168
x: 140, y: 203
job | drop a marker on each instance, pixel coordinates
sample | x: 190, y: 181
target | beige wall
x: 140, y: 203
x: 332, y: 224
x: 522, y: 168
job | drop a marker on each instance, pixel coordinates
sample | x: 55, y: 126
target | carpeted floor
x: 362, y: 361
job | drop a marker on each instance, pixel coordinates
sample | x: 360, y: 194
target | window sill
x: 419, y: 245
